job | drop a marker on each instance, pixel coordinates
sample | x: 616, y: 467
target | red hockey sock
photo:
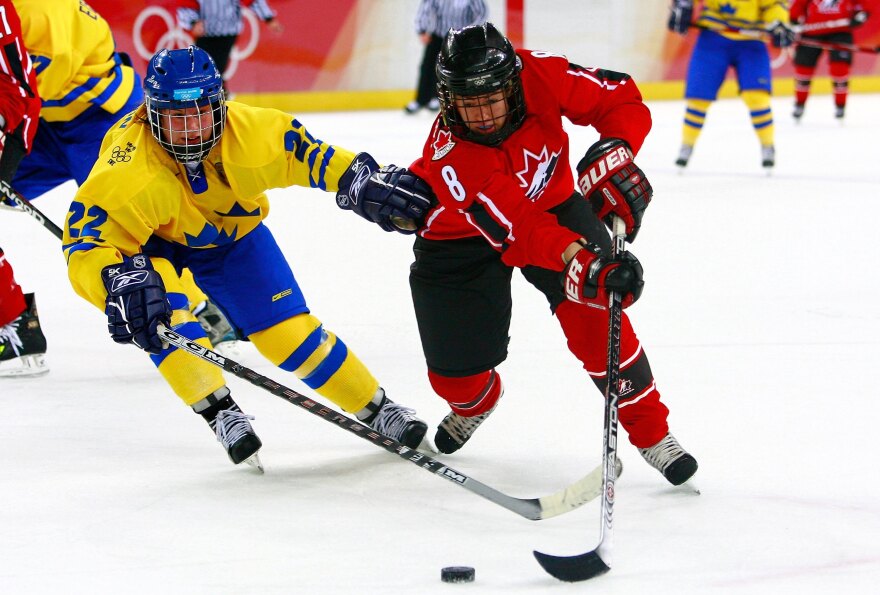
x: 840, y: 81
x: 803, y: 75
x: 641, y: 413
x: 469, y: 395
x: 11, y: 297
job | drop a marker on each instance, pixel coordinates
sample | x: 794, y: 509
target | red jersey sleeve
x: 608, y: 101
x: 19, y: 99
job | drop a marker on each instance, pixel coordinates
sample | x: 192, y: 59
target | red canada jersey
x: 19, y: 98
x: 819, y: 17
x: 504, y: 192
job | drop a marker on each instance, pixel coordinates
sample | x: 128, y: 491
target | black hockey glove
x: 781, y: 34
x: 136, y: 303
x: 680, y: 15
x: 589, y: 277
x: 858, y: 18
x: 614, y: 184
x: 392, y: 197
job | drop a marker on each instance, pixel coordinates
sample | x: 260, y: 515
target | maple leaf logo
x: 538, y: 170
x: 442, y: 144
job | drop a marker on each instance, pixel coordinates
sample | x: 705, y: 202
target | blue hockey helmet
x: 480, y: 64
x: 181, y: 88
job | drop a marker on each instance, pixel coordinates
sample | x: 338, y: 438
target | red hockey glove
x: 614, y: 184
x: 589, y: 277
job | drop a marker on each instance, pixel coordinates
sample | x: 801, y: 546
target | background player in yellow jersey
x: 720, y: 46
x: 180, y: 183
x: 86, y: 87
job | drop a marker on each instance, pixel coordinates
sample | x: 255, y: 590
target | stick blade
x: 572, y: 569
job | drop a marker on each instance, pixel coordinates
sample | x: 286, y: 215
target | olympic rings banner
x: 363, y: 46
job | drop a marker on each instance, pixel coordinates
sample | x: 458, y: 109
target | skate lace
x: 685, y: 152
x: 662, y: 454
x: 9, y: 334
x: 460, y: 427
x: 232, y: 426
x: 768, y: 152
x: 393, y: 419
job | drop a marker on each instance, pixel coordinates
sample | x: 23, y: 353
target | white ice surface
x: 760, y: 317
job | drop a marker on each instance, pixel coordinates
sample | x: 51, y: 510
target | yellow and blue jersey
x: 137, y: 191
x: 75, y: 57
x: 741, y: 14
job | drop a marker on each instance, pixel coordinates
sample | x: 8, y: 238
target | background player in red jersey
x: 498, y: 160
x: 825, y: 21
x: 22, y: 343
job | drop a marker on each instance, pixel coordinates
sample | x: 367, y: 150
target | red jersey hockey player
x: 22, y: 344
x: 830, y: 22
x: 498, y: 160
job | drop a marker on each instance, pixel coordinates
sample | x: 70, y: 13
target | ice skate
x: 768, y: 157
x: 412, y: 107
x: 456, y: 429
x: 217, y: 327
x: 399, y: 423
x: 839, y: 111
x: 23, y: 345
x: 234, y: 431
x: 684, y: 155
x: 798, y: 112
x: 670, y: 459
x: 434, y: 105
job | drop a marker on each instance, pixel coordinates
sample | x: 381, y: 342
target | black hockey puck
x: 457, y: 574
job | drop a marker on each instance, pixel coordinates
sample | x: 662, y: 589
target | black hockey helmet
x: 479, y: 61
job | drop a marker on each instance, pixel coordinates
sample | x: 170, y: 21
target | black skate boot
x: 839, y: 111
x: 798, y: 111
x: 233, y: 428
x: 456, y: 429
x: 670, y: 459
x: 22, y: 344
x: 397, y: 422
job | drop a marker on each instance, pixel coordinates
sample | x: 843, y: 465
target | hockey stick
x: 16, y: 198
x: 598, y: 561
x: 565, y: 500
x: 799, y: 40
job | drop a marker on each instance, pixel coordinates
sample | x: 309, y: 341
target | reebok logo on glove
x: 598, y: 170
x: 124, y: 280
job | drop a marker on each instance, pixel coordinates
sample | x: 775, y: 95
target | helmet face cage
x: 478, y: 68
x: 185, y: 101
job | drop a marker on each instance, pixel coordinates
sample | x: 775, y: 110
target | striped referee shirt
x: 221, y: 17
x: 439, y: 16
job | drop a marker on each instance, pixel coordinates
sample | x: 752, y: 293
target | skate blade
x: 30, y: 366
x: 255, y: 462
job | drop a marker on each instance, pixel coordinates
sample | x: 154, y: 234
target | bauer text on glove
x: 589, y: 277
x: 614, y: 184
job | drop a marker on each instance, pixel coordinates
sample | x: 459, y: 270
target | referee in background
x: 216, y: 24
x: 434, y: 19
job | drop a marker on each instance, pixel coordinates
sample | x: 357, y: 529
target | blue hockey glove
x: 392, y: 197
x: 781, y: 34
x: 680, y: 15
x: 136, y: 303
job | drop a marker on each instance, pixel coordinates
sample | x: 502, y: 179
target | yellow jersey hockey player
x: 180, y: 183
x: 732, y: 36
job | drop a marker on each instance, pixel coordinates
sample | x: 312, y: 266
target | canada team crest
x: 537, y: 171
x: 442, y: 144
